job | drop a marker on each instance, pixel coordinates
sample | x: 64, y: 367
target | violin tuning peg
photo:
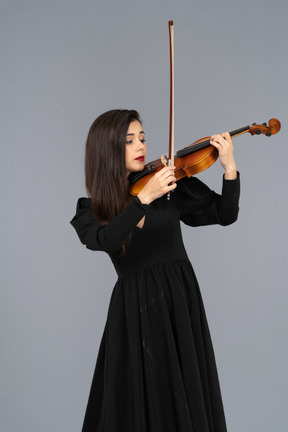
x: 253, y: 124
x: 268, y: 134
x: 258, y: 131
x: 264, y: 124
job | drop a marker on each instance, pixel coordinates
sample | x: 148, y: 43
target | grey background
x: 65, y: 62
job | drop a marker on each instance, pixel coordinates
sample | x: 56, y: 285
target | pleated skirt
x: 156, y: 369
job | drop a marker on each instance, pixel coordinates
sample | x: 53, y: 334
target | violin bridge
x: 163, y: 160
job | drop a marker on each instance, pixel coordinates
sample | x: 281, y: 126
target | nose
x: 140, y: 145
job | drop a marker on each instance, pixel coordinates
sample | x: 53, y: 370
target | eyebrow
x: 141, y: 132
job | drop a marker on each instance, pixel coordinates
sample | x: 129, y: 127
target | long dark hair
x: 105, y: 168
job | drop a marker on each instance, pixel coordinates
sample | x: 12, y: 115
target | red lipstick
x: 140, y: 158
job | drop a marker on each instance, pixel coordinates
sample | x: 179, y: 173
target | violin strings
x: 203, y: 144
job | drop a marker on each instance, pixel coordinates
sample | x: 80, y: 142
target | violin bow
x: 171, y: 117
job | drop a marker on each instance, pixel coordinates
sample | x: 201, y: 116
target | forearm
x: 228, y: 206
x: 112, y: 236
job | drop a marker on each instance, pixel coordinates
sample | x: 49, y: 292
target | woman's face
x: 136, y: 149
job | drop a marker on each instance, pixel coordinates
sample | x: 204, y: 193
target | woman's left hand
x: 224, y: 145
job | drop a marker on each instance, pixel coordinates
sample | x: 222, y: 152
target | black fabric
x: 156, y: 369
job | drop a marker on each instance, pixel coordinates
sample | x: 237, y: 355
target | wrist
x: 230, y: 173
x: 144, y: 198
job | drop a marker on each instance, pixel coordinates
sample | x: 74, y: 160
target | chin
x: 139, y: 167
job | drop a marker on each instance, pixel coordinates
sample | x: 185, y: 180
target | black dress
x: 156, y: 370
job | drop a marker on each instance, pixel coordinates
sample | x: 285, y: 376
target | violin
x: 197, y: 157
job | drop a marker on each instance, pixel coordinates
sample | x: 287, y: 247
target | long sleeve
x: 199, y: 205
x: 111, y: 237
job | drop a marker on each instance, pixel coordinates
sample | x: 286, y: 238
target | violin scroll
x: 273, y: 128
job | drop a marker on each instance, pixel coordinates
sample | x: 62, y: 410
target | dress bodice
x: 160, y: 239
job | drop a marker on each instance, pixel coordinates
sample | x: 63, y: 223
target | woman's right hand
x: 160, y: 184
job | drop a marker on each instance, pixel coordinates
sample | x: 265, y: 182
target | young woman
x: 155, y: 370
